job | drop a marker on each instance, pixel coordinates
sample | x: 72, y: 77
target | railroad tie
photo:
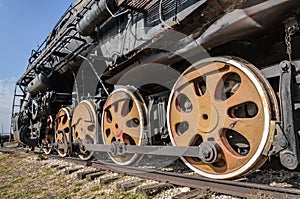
x: 61, y: 167
x: 7, y: 150
x: 70, y: 171
x: 82, y: 175
x: 193, y: 194
x: 125, y: 186
x: 153, y: 189
x: 108, y: 179
x: 93, y: 176
x: 83, y: 163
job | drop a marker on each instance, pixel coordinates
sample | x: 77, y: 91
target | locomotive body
x: 214, y: 82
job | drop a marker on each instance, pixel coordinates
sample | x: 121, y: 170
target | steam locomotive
x: 214, y: 82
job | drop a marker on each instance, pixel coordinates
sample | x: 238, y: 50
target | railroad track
x: 234, y: 188
x: 168, y: 179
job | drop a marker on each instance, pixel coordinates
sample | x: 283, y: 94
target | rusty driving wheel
x: 48, y: 141
x: 62, y: 131
x: 224, y: 106
x: 123, y: 121
x: 84, y: 124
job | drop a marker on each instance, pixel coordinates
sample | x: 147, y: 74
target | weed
x: 95, y: 188
x: 3, y: 156
x: 41, y: 157
x: 4, y: 170
x: 18, y: 180
x: 80, y: 183
x: 76, y: 189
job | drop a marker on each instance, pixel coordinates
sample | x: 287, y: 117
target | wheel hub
x: 209, y: 152
x: 208, y: 119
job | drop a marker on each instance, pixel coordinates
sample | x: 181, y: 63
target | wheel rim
x: 221, y: 105
x: 48, y: 136
x: 84, y: 124
x: 62, y: 131
x: 123, y: 120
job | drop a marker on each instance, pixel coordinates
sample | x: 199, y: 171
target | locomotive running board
x: 117, y: 148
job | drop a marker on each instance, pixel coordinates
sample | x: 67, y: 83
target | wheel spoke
x: 133, y: 113
x: 245, y: 93
x: 184, y: 139
x: 62, y: 125
x: 134, y: 134
x: 232, y: 161
x: 188, y: 90
x: 248, y: 128
x: 121, y: 105
x: 110, y: 137
x: 177, y: 116
x: 212, y: 86
x: 127, y: 120
x: 108, y: 130
x: 182, y: 110
x: 197, y: 71
x: 90, y: 126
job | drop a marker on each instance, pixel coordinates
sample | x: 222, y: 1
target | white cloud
x: 7, y: 86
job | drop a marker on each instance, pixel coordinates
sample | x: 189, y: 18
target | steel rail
x: 234, y: 188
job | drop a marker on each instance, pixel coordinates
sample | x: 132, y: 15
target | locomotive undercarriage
x: 131, y: 125
x: 222, y: 115
x: 126, y: 130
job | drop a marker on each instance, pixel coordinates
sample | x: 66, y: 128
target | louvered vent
x: 137, y: 4
x: 151, y: 7
x: 168, y: 10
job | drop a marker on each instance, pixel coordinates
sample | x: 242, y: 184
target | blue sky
x: 23, y: 26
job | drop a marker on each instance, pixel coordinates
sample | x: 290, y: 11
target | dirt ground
x: 24, y: 175
x: 28, y: 175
